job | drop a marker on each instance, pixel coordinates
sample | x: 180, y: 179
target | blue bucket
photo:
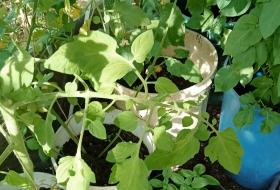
x: 261, y: 159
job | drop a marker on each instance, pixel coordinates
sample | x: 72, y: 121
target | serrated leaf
x: 271, y: 120
x: 226, y: 78
x: 202, y: 132
x: 42, y: 129
x: 225, y: 149
x: 164, y: 85
x: 71, y: 87
x: 97, y: 129
x: 268, y: 25
x: 243, y: 117
x: 93, y: 56
x: 234, y: 8
x: 95, y: 111
x: 162, y: 139
x: 245, y: 34
x: 126, y: 120
x: 142, y: 45
x: 75, y: 172
x: 136, y: 180
x: 121, y: 152
x: 196, y: 7
x: 17, y: 72
x: 131, y: 16
x: 185, y: 147
x: 175, y: 22
x: 262, y: 53
x: 248, y: 98
x: 189, y: 71
x: 14, y: 179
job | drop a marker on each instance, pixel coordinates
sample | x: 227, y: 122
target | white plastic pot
x: 61, y: 137
x: 204, y: 55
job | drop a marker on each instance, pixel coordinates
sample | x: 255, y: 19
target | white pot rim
x: 197, y: 88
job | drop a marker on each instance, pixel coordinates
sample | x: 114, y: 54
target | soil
x: 161, y: 71
x: 94, y: 147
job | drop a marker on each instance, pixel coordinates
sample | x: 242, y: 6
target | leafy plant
x: 253, y: 47
x: 128, y: 42
x: 184, y: 179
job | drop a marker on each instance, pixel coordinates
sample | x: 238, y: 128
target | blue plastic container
x: 261, y: 159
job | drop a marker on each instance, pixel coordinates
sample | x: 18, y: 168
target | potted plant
x: 96, y: 62
x: 253, y: 47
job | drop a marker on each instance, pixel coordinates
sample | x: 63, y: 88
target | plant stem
x: 109, y: 145
x: 8, y: 150
x: 109, y: 105
x: 100, y: 15
x: 72, y: 136
x: 162, y: 40
x: 78, y: 154
x: 16, y: 137
x: 33, y: 22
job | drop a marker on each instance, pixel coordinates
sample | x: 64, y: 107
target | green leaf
x: 164, y: 85
x: 268, y: 25
x: 32, y: 144
x: 263, y: 88
x: 246, y: 75
x: 95, y: 111
x: 262, y: 53
x: 142, y: 45
x: 121, y: 151
x: 42, y: 130
x: 93, y: 56
x: 75, y: 172
x: 245, y: 34
x: 202, y: 132
x: 199, y: 169
x: 248, y: 98
x: 233, y: 8
x: 126, y: 120
x: 223, y: 3
x: 156, y: 183
x: 187, y: 121
x: 97, y: 129
x: 211, y: 180
x: 272, y: 119
x: 175, y: 22
x: 162, y: 139
x: 17, y: 72
x: 185, y: 147
x: 131, y: 16
x: 189, y: 71
x: 245, y: 59
x: 243, y: 117
x: 14, y: 179
x: 196, y: 7
x: 71, y: 87
x: 226, y: 78
x: 199, y: 182
x: 225, y: 149
x: 136, y: 180
x: 177, y: 178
